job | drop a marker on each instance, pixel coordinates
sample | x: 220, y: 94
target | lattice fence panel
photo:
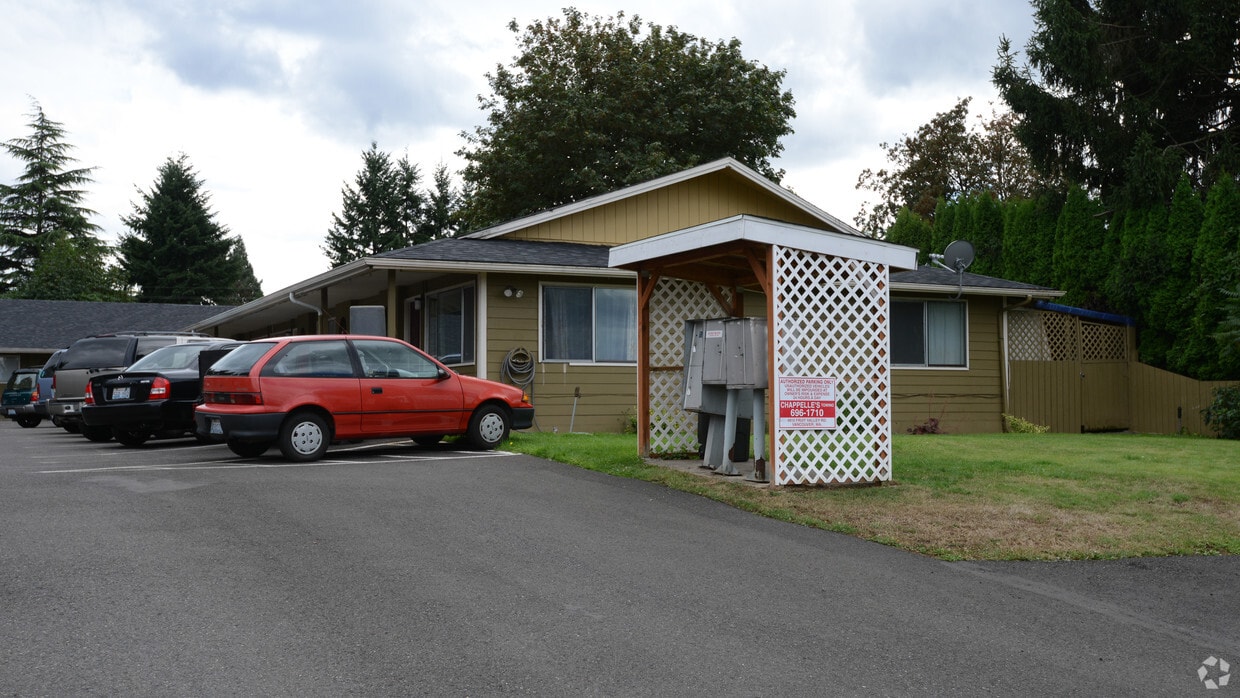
x: 1061, y: 336
x: 1027, y: 336
x: 1103, y: 342
x: 832, y: 319
x: 672, y: 429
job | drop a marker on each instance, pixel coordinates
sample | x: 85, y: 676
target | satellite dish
x: 958, y: 255
x: 956, y: 258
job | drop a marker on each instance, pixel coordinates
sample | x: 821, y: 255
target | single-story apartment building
x: 534, y: 301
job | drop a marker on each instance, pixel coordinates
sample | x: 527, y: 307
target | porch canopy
x: 827, y: 304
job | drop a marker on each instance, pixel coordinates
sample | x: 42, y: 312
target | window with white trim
x: 589, y: 324
x: 929, y: 333
x: 450, y: 325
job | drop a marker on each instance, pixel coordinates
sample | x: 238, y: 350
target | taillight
x: 90, y: 399
x: 34, y: 396
x: 160, y: 388
x: 234, y: 398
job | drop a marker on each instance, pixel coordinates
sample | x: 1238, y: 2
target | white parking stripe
x: 239, y: 464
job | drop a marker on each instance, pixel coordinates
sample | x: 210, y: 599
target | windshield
x: 240, y: 360
x: 171, y: 358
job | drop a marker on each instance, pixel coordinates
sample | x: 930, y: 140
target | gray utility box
x: 703, y: 349
x: 368, y: 319
x: 745, y: 353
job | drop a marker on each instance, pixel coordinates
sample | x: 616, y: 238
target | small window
x: 928, y: 333
x: 589, y: 324
x: 450, y: 325
x: 239, y: 361
x: 314, y: 359
x: 393, y: 360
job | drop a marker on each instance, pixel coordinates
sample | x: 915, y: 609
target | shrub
x: 930, y: 426
x: 1223, y: 415
x: 1016, y: 425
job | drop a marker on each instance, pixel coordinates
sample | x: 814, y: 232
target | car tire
x: 97, y: 434
x: 71, y: 427
x: 304, y: 437
x: 427, y: 440
x: 488, y: 427
x: 29, y: 421
x: 131, y: 437
x: 248, y: 449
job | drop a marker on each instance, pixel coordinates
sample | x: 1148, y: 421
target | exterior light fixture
x: 513, y: 292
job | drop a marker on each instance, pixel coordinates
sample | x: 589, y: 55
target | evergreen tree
x: 1214, y: 273
x: 45, y: 204
x: 382, y: 212
x: 247, y: 286
x: 175, y: 252
x: 1080, y: 241
x: 914, y: 231
x: 1124, y: 96
x: 1171, y: 302
x: 986, y: 234
x: 439, y: 219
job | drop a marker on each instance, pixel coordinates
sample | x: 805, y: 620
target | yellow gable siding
x: 704, y: 199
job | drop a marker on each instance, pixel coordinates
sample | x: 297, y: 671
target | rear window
x: 97, y: 352
x: 239, y: 361
x: 21, y: 381
x: 171, y: 358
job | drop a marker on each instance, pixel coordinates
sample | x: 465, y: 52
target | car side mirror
x: 443, y: 374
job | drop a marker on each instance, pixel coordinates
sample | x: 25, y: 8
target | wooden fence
x: 1076, y: 375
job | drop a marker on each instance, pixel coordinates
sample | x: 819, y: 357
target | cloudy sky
x: 274, y: 101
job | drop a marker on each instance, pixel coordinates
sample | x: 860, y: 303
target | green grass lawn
x: 991, y: 496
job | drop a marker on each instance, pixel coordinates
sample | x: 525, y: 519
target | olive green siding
x: 704, y: 199
x: 963, y: 400
x: 608, y: 392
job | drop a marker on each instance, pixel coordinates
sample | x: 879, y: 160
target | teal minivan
x: 16, y: 402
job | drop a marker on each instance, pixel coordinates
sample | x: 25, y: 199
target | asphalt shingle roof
x: 41, y: 325
x: 498, y: 251
x: 929, y: 275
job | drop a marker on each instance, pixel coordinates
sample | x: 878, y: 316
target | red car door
x: 404, y: 392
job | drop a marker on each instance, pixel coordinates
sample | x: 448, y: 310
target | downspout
x: 1003, y: 365
x: 318, y: 311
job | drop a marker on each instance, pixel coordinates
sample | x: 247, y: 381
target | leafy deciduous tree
x: 592, y: 105
x: 73, y: 269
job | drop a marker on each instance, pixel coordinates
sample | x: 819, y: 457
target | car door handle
x: 376, y: 390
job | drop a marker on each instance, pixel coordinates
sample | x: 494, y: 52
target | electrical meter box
x: 714, y: 369
x: 744, y: 353
x: 368, y: 319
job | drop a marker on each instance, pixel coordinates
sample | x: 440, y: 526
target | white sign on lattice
x: 832, y: 319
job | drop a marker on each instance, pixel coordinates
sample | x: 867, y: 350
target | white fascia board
x: 674, y: 178
x: 759, y: 230
x: 975, y: 290
x: 507, y: 268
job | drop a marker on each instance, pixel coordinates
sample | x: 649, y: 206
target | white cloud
x: 274, y: 102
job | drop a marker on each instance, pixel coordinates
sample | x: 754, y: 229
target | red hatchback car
x: 305, y: 392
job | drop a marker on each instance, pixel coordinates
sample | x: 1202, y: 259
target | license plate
x: 120, y: 393
x: 70, y: 408
x: 214, y: 426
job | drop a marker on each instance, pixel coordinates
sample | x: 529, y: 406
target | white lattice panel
x: 1103, y: 342
x: 832, y: 320
x: 673, y: 301
x: 1027, y: 336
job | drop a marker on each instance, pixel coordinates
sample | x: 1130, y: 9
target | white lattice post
x: 831, y: 319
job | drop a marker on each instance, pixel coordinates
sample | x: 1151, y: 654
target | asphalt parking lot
x: 384, y: 569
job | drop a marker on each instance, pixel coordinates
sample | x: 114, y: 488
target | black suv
x: 97, y: 354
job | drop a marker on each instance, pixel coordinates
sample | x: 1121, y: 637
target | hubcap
x: 307, y: 437
x: 491, y: 428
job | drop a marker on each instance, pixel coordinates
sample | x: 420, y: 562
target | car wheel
x: 29, y: 421
x: 71, y: 427
x: 131, y: 437
x: 427, y: 440
x: 98, y: 434
x: 248, y: 449
x: 489, y: 427
x: 304, y: 437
